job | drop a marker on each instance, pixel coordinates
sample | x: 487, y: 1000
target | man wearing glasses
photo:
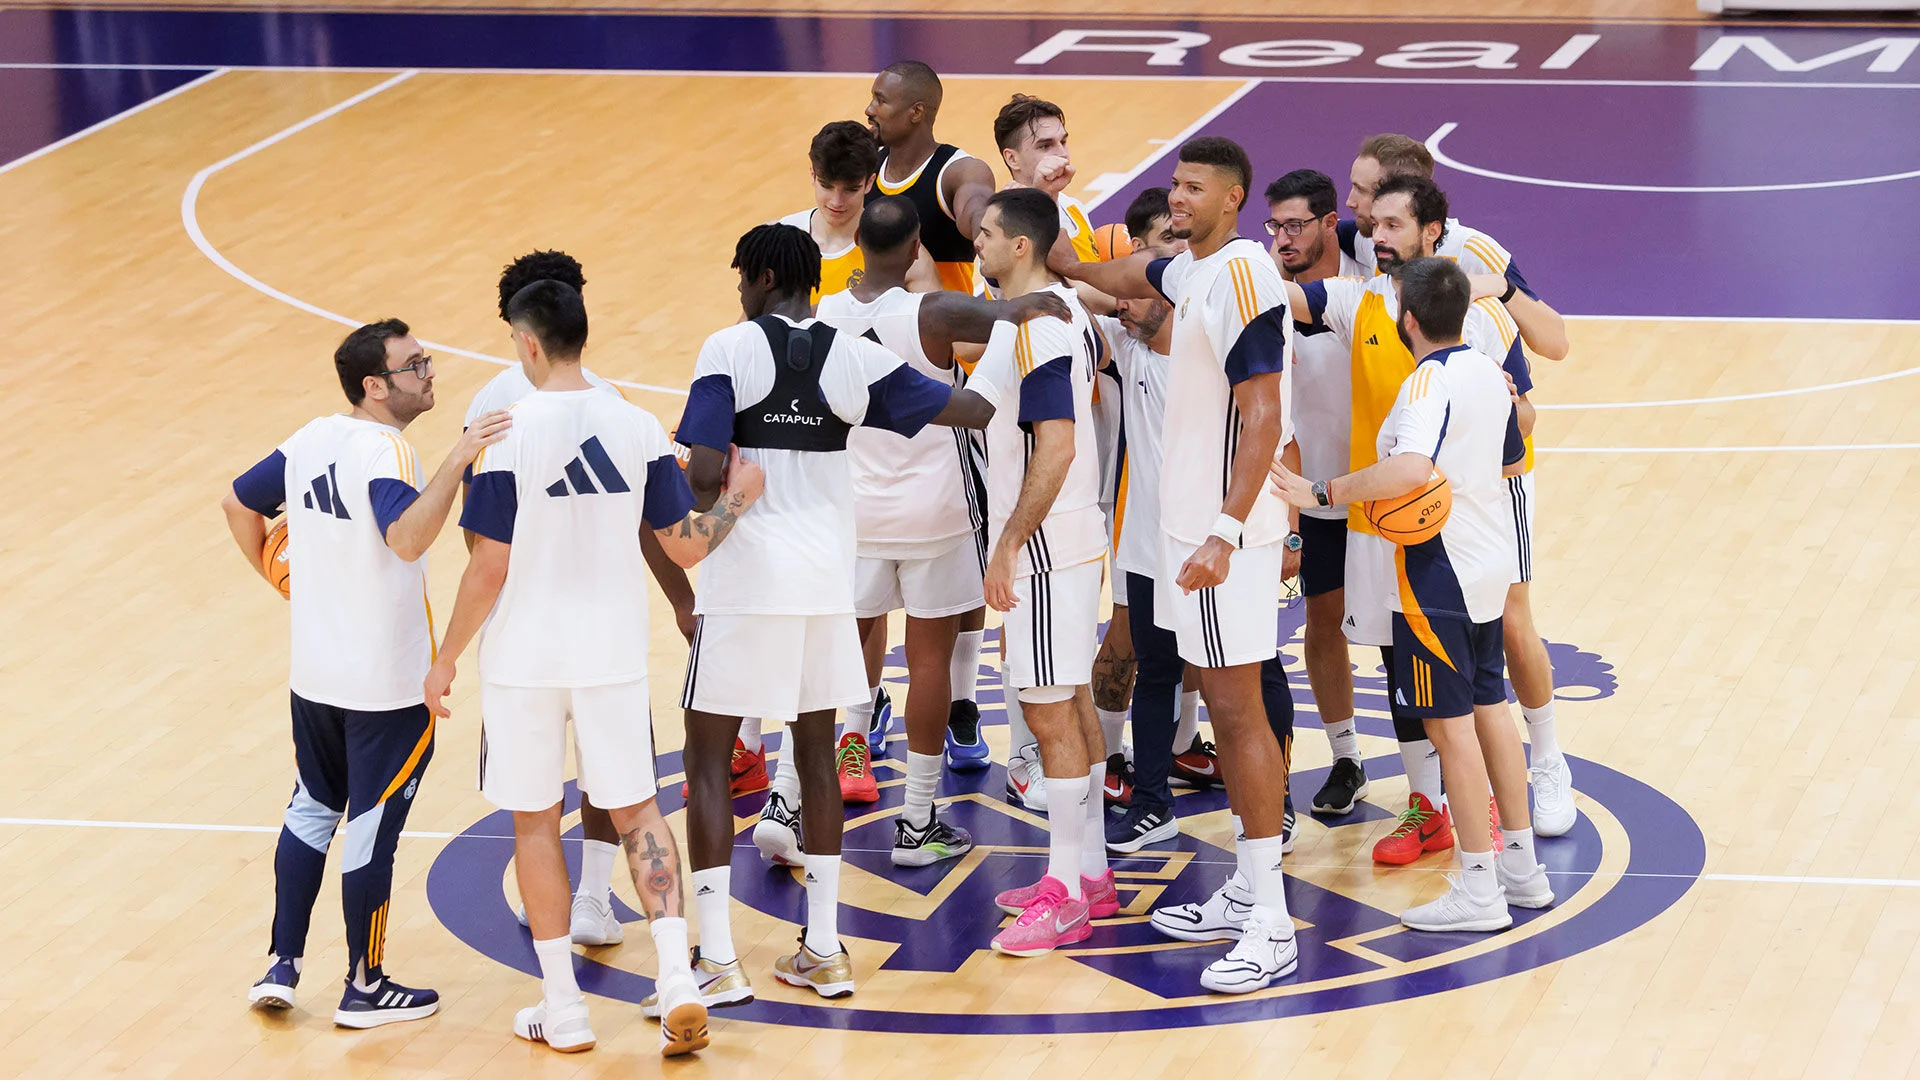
x: 362, y: 641
x: 1303, y: 218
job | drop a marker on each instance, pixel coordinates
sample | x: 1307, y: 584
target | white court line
x: 1755, y: 396
x: 190, y: 218
x: 115, y: 118
x: 1801, y: 449
x: 1168, y: 145
x: 411, y: 834
x: 1433, y: 147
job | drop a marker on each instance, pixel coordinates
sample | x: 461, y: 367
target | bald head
x: 889, y: 225
x: 918, y: 83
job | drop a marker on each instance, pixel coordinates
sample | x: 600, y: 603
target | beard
x: 1387, y: 260
x: 1400, y: 330
x: 1143, y: 329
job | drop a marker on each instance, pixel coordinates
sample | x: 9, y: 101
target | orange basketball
x: 273, y: 558
x: 1112, y: 242
x: 1416, y: 517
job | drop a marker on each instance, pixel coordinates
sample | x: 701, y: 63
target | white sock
x: 1344, y: 740
x: 823, y: 904
x: 1516, y: 851
x: 923, y: 777
x: 1189, y: 724
x: 1477, y: 873
x: 1422, y: 763
x: 713, y: 903
x: 750, y: 734
x: 1241, y: 864
x: 786, y: 772
x: 596, y: 870
x: 1546, y: 745
x: 1266, y: 882
x: 1093, y: 842
x: 670, y: 941
x: 965, y: 669
x: 1066, y: 822
x: 1113, y: 726
x: 1019, y: 737
x: 858, y: 717
x: 557, y: 987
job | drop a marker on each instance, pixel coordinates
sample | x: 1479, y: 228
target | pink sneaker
x: 1049, y: 922
x: 1102, y: 899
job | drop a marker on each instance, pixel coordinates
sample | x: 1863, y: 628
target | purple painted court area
x: 1834, y: 252
x: 43, y: 106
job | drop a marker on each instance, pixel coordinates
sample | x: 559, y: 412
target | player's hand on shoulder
x: 1485, y: 285
x: 1513, y: 388
x: 1040, y: 305
x: 743, y: 478
x: 487, y: 428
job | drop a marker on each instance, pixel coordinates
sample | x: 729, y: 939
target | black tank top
x: 938, y: 233
x: 794, y: 415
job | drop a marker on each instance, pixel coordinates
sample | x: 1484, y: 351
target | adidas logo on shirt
x: 576, y: 482
x: 323, y: 494
x: 1399, y: 698
x: 1373, y: 339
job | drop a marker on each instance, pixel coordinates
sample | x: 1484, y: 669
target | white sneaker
x: 1553, y: 809
x: 1527, y: 891
x: 565, y: 1028
x: 594, y: 922
x: 683, y: 1016
x: 1263, y: 953
x: 1221, y: 917
x: 1026, y: 783
x: 1458, y: 910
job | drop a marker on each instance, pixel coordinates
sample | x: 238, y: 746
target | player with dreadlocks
x: 776, y: 634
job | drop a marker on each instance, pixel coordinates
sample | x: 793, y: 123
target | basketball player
x: 1409, y: 218
x: 777, y: 634
x: 362, y: 639
x: 557, y: 575
x: 1544, y: 331
x: 1453, y: 414
x: 919, y: 537
x: 843, y: 160
x: 1032, y: 136
x: 1382, y: 156
x: 1047, y: 539
x: 593, y: 921
x: 1302, y: 218
x: 948, y: 187
x: 1223, y: 530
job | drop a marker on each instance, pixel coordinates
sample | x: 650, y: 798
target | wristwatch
x: 1293, y: 541
x: 1320, y: 493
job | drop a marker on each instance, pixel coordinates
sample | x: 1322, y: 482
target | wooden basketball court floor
x: 1726, y: 564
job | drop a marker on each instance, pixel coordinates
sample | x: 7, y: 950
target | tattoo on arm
x: 656, y: 873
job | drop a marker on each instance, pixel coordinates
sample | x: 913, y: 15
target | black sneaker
x: 1139, y: 826
x: 1287, y: 823
x: 777, y: 833
x: 924, y: 847
x: 881, y: 725
x: 387, y: 1003
x: 1346, y: 785
x: 966, y: 750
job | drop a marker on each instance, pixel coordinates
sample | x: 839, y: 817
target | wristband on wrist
x: 1228, y: 528
x: 1508, y: 295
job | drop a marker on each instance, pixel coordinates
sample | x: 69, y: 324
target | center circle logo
x: 1631, y: 855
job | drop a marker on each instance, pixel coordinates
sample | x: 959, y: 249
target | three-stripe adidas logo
x: 1373, y: 339
x: 576, y: 481
x: 393, y: 999
x: 323, y: 494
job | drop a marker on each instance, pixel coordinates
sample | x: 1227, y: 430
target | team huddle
x: 944, y: 395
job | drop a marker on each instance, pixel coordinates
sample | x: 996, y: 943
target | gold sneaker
x: 828, y: 976
x: 720, y: 984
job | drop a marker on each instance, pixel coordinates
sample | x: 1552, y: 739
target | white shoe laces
x: 1547, y: 787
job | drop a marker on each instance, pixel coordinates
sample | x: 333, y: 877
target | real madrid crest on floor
x: 1632, y: 854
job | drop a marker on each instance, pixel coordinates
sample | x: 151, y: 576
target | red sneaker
x: 1493, y: 825
x: 1199, y: 767
x: 1420, y: 830
x: 1117, y: 790
x: 748, y: 768
x: 855, y: 765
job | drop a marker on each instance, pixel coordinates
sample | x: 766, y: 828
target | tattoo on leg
x: 656, y: 873
x: 1113, y: 681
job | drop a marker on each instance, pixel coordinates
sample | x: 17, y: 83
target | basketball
x: 1416, y: 517
x: 273, y: 559
x: 1112, y: 242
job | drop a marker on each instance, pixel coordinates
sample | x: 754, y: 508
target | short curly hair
x: 539, y: 266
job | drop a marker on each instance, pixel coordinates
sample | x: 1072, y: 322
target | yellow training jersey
x: 839, y: 270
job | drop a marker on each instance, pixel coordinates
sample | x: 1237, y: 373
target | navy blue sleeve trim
x: 263, y: 488
x: 1440, y: 440
x: 668, y: 495
x: 390, y: 499
x: 1047, y: 392
x: 1348, y: 233
x: 904, y: 401
x: 1261, y: 348
x: 492, y: 504
x: 708, y: 420
x: 1516, y: 445
x: 1316, y: 305
x: 1156, y: 273
x: 1516, y: 365
x: 1517, y: 281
